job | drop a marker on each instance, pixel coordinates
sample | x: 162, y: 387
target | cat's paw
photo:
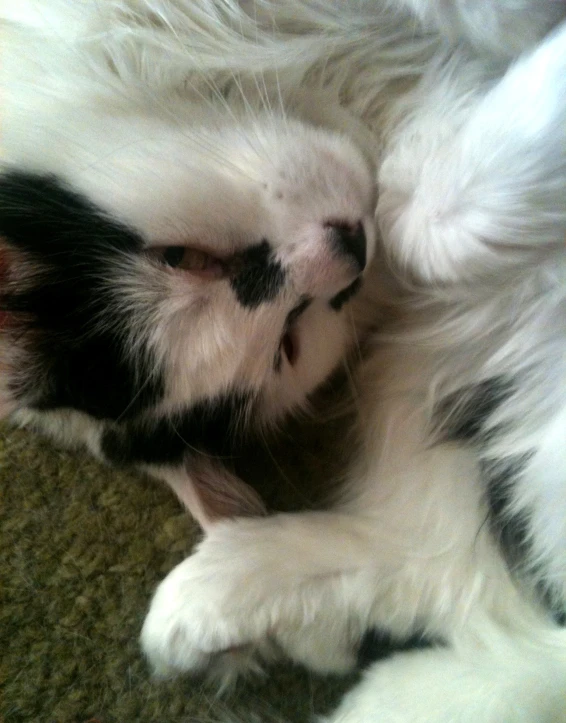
x: 198, y: 622
x: 241, y: 598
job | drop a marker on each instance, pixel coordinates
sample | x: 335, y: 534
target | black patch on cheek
x: 342, y: 297
x: 256, y: 276
x: 213, y: 427
x: 69, y: 319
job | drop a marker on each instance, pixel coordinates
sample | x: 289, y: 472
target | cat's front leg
x: 288, y: 579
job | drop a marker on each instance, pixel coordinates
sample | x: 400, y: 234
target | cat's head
x: 146, y: 264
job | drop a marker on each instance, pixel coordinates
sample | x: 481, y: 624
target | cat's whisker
x: 282, y: 109
x: 142, y: 387
x: 197, y: 450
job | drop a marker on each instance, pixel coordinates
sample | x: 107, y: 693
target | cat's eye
x: 173, y: 255
x: 186, y: 258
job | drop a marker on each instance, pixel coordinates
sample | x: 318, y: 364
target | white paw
x: 198, y: 621
x: 241, y: 599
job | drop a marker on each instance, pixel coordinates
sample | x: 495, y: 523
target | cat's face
x: 155, y: 265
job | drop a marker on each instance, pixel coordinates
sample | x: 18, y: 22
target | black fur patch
x: 379, y: 644
x: 510, y: 529
x: 342, y: 297
x: 257, y: 277
x: 461, y: 416
x: 75, y: 361
x: 212, y: 427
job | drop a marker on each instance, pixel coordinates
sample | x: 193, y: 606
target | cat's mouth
x: 289, y: 346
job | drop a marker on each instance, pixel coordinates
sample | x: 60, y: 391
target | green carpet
x: 82, y: 548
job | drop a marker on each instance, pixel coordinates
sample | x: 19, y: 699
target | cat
x: 165, y: 257
x: 452, y: 521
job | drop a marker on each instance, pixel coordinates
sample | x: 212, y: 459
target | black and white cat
x: 174, y: 269
x: 186, y: 204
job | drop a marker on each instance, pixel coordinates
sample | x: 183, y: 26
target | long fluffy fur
x: 453, y: 519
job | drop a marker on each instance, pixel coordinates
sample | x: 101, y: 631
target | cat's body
x: 453, y: 520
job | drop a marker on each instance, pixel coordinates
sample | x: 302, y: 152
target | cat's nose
x: 349, y: 240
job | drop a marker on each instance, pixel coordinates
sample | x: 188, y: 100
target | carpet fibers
x: 82, y: 548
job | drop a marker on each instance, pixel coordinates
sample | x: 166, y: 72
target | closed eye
x: 185, y: 258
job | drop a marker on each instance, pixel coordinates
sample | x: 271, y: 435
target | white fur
x: 471, y: 156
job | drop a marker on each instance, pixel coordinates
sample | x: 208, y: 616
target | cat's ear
x: 211, y: 492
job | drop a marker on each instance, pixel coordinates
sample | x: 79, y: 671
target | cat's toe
x: 171, y: 643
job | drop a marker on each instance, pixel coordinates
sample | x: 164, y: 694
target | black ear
x: 60, y: 251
